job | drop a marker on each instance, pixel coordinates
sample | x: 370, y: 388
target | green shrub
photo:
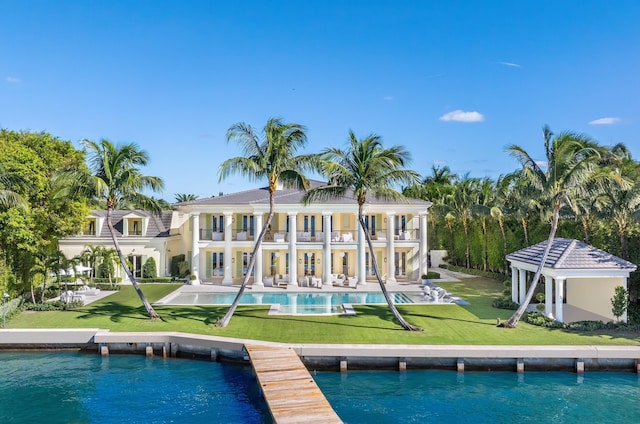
x: 107, y: 286
x: 52, y: 306
x: 174, y: 268
x: 479, y: 273
x: 149, y: 269
x: 588, y: 326
x: 536, y: 318
x: 432, y: 275
x: 619, y: 302
x: 156, y: 280
x: 505, y: 303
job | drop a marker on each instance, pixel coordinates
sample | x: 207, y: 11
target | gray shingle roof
x: 159, y: 225
x: 285, y: 196
x: 571, y: 254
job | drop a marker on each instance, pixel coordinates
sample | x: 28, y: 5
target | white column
x: 257, y: 266
x: 293, y: 257
x: 548, y: 296
x: 522, y: 290
x: 326, y: 249
x: 514, y: 284
x: 391, y: 248
x: 424, y: 248
x: 559, y: 298
x: 195, y: 248
x: 362, y: 249
x: 228, y: 263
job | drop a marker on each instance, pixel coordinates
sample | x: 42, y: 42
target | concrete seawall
x: 334, y: 356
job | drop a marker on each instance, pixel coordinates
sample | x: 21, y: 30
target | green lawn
x: 473, y: 324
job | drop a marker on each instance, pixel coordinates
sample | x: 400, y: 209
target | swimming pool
x: 325, y: 303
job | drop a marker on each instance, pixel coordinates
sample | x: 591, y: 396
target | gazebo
x: 579, y: 279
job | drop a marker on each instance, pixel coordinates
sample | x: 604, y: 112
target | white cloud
x: 605, y: 121
x: 462, y: 116
x: 511, y: 64
x: 12, y: 80
x: 439, y: 162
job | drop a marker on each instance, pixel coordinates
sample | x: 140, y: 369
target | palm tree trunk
x: 394, y: 311
x: 152, y: 313
x: 504, y: 246
x: 224, y: 321
x: 526, y: 232
x: 624, y: 247
x: 513, y: 321
x: 467, y: 253
x: 485, y: 258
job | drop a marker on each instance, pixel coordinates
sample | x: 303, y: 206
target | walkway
x: 290, y: 391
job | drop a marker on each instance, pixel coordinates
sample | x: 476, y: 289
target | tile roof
x: 284, y: 196
x: 571, y: 254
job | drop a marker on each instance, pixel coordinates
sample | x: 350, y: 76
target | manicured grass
x: 473, y: 324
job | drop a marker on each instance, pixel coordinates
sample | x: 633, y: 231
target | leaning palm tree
x: 570, y: 160
x: 116, y: 177
x: 366, y: 168
x: 271, y: 157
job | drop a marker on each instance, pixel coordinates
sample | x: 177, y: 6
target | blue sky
x: 454, y: 81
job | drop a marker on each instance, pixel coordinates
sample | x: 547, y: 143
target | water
x: 64, y: 387
x: 315, y: 299
x: 482, y: 397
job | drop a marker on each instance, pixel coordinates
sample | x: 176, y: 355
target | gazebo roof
x: 570, y: 254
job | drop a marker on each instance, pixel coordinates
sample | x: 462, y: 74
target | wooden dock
x: 291, y: 393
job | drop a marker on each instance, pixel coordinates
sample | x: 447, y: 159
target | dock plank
x: 291, y: 393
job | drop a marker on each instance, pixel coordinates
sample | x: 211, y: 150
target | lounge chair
x: 278, y: 237
x: 267, y: 281
x: 242, y: 236
x: 353, y: 282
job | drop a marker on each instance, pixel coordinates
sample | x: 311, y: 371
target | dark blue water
x: 449, y: 397
x: 86, y: 388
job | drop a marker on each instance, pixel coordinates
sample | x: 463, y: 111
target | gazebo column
x: 514, y: 284
x: 559, y: 298
x: 195, y: 248
x: 548, y: 296
x: 522, y: 289
x: 228, y: 228
x: 257, y: 267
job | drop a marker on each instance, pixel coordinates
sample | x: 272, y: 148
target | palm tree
x: 462, y: 203
x: 570, y: 160
x: 8, y: 197
x: 486, y: 197
x: 92, y: 254
x: 366, y: 167
x: 183, y: 197
x: 116, y: 177
x: 271, y: 157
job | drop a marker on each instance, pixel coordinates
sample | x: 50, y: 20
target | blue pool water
x: 68, y: 387
x: 482, y: 397
x: 303, y: 298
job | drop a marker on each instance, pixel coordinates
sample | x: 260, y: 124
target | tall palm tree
x: 462, y: 203
x: 92, y: 254
x: 366, y: 168
x: 570, y: 160
x: 116, y: 177
x: 271, y: 157
x: 482, y: 210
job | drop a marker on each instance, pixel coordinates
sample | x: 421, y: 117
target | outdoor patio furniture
x: 347, y: 237
x: 267, y: 281
x: 86, y: 290
x: 337, y: 279
x: 278, y: 237
x: 316, y: 282
x: 242, y: 235
x: 353, y: 282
